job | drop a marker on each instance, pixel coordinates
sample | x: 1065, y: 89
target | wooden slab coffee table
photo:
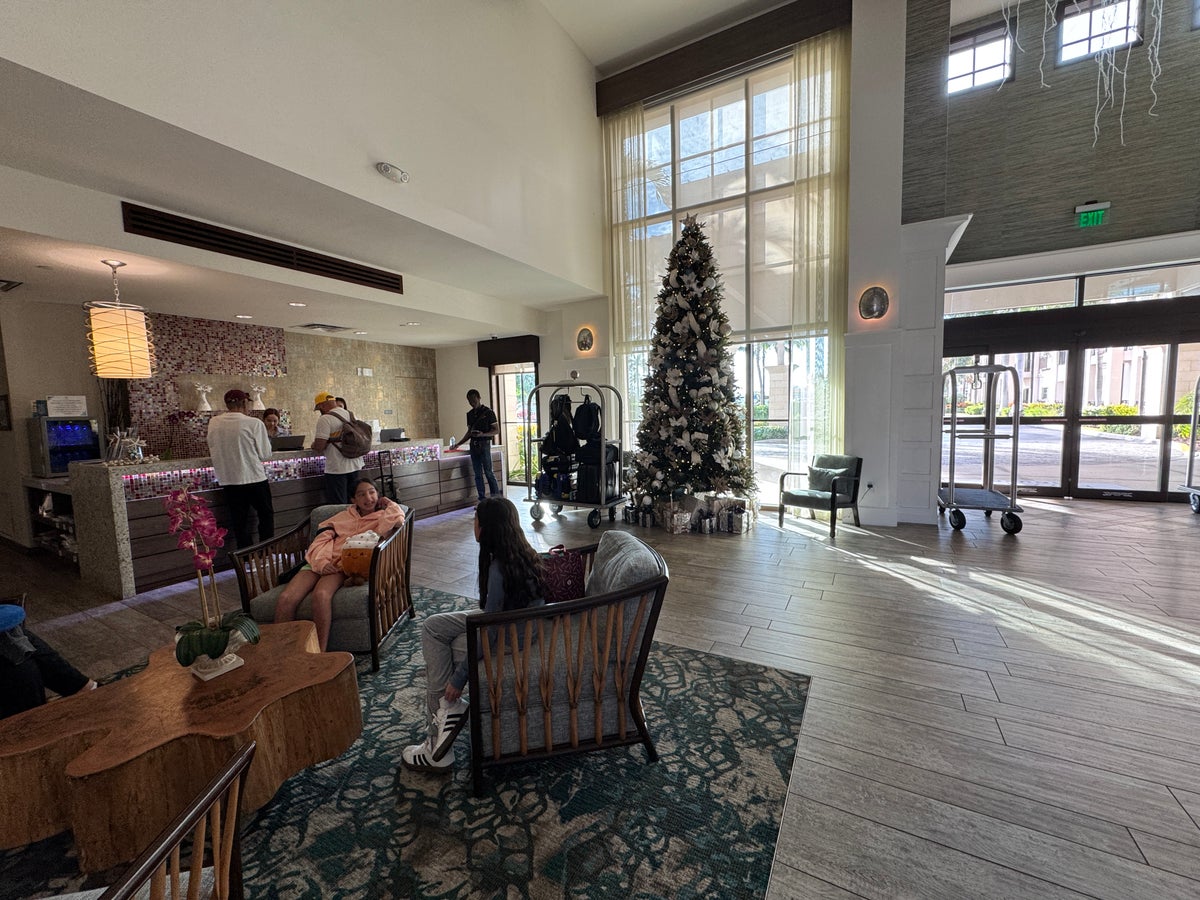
x: 114, y: 765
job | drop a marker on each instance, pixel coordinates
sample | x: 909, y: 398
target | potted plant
x: 208, y: 644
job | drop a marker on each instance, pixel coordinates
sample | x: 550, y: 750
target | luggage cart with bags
x: 951, y: 496
x: 580, y: 471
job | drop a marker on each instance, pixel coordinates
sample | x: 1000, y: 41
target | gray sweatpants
x: 444, y: 643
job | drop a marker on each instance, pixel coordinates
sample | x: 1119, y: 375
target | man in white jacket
x: 239, y: 445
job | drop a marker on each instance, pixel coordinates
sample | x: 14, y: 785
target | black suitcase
x: 610, y: 481
x: 587, y: 489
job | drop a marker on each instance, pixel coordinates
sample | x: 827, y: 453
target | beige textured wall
x: 402, y: 391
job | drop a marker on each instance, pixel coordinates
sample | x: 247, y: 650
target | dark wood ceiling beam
x: 726, y: 50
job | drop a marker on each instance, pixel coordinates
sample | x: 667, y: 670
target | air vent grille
x: 166, y: 226
x: 327, y: 329
x: 7, y: 285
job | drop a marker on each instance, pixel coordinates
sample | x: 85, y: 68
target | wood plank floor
x: 990, y: 716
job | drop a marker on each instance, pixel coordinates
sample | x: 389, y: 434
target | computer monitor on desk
x: 288, y: 442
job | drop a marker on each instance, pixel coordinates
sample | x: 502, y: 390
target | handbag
x: 562, y: 575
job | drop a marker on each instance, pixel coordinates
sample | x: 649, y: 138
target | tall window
x: 760, y: 160
x: 1090, y: 26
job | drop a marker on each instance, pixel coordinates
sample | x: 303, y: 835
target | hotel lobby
x: 984, y: 714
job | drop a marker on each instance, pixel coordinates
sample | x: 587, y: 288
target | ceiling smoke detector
x: 394, y: 173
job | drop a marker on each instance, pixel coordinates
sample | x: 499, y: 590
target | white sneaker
x: 419, y: 758
x: 447, y: 723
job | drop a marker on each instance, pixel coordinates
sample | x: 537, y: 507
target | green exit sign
x: 1092, y: 213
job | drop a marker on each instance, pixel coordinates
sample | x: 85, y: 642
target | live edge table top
x: 115, y: 765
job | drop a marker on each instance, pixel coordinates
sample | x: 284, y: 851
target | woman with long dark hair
x: 509, y: 578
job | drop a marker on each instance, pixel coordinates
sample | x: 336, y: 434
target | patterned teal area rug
x: 701, y: 822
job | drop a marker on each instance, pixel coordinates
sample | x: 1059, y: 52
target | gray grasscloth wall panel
x: 1021, y: 157
x: 925, y: 109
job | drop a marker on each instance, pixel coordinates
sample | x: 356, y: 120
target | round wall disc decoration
x: 584, y: 340
x: 873, y: 304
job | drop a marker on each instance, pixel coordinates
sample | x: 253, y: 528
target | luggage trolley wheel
x: 556, y: 508
x: 957, y: 519
x: 1194, y: 502
x: 536, y: 511
x: 1010, y: 522
x: 594, y: 519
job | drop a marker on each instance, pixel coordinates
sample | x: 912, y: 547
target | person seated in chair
x: 322, y: 574
x: 28, y: 665
x: 509, y: 578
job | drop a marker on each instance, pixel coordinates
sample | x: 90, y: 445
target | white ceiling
x: 47, y: 121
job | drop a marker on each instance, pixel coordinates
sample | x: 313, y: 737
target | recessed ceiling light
x: 296, y: 303
x: 243, y: 317
x: 360, y: 332
x: 407, y: 324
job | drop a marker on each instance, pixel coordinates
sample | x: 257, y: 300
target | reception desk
x: 121, y: 524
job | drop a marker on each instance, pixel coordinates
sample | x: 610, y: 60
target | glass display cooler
x: 56, y: 443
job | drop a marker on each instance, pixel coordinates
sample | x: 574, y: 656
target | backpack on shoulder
x: 356, y: 437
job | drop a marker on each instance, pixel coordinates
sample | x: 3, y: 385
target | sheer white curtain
x: 633, y: 288
x: 821, y: 81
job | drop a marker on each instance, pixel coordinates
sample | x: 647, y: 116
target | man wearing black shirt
x: 482, y: 426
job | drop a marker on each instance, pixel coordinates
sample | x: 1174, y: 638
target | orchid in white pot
x: 214, y: 635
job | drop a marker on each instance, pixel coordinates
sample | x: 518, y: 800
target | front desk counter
x: 121, y: 523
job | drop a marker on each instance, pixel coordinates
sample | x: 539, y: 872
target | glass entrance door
x: 1101, y: 422
x: 1043, y: 431
x: 511, y: 385
x: 1123, y: 424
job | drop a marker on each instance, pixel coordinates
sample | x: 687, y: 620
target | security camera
x: 495, y: 337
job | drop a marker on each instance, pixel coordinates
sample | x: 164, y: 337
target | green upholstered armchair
x: 832, y: 484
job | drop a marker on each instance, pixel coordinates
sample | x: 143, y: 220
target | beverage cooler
x: 55, y: 443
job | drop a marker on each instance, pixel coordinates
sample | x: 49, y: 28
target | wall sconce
x: 873, y: 304
x: 120, y: 344
x: 585, y: 339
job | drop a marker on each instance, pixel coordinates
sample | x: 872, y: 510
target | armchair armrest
x: 389, y: 592
x: 845, y: 484
x: 259, y: 566
x: 783, y: 478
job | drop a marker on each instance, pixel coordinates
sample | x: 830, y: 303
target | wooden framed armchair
x: 363, y: 615
x: 832, y: 485
x: 211, y: 822
x: 566, y: 677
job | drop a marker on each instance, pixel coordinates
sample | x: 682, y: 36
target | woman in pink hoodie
x: 322, y: 573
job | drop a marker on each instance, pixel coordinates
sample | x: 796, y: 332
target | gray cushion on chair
x: 350, y: 629
x: 821, y: 479
x: 622, y: 561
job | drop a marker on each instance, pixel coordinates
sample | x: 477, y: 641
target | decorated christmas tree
x: 692, y: 435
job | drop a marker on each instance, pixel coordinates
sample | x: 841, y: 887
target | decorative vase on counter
x: 203, y: 390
